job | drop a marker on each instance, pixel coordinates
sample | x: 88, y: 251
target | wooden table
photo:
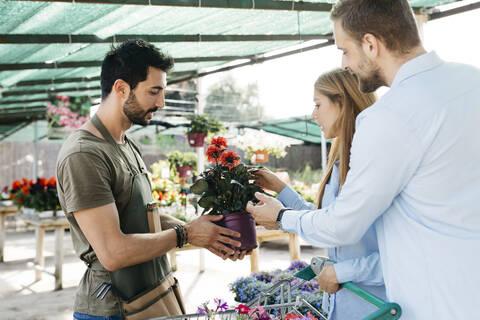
x: 59, y: 224
x: 173, y: 256
x: 268, y: 235
x: 262, y: 235
x: 5, y: 210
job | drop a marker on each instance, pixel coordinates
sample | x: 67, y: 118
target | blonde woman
x: 338, y: 101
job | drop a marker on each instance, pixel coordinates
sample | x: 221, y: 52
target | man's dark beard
x: 373, y: 81
x: 134, y: 112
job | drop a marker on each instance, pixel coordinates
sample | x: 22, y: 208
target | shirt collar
x: 416, y: 65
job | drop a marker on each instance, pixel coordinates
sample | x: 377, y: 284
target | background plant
x: 307, y: 175
x: 64, y: 111
x: 40, y: 194
x: 178, y: 159
x: 255, y: 141
x: 204, y: 123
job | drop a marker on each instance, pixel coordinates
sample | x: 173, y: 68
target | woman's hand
x: 268, y: 180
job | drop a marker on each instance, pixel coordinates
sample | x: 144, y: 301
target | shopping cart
x: 287, y: 304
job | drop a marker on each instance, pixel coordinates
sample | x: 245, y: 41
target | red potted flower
x: 226, y: 187
x: 39, y: 195
x: 200, y: 126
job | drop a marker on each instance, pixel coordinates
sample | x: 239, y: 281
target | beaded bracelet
x: 182, y: 235
x: 179, y: 235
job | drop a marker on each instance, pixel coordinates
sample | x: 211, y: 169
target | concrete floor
x: 23, y: 298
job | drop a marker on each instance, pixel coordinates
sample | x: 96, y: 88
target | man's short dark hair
x: 129, y: 62
x: 392, y: 21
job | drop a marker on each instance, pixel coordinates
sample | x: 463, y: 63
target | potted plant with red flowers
x: 225, y: 189
x: 200, y: 126
x: 36, y: 197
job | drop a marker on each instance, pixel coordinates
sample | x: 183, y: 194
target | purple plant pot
x: 243, y: 223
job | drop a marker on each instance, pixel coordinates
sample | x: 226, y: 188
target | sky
x: 286, y: 84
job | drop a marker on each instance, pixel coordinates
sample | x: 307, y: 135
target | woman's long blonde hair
x: 341, y: 86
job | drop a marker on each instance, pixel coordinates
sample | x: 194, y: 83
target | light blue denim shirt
x: 415, y: 173
x: 359, y: 262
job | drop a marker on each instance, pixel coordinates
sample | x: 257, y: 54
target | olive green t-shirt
x: 91, y: 173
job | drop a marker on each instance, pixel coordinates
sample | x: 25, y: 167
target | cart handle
x: 386, y: 310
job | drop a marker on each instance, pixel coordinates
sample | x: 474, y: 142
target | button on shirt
x: 415, y: 173
x: 359, y: 262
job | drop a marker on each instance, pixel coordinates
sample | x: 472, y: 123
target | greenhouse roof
x: 302, y: 128
x: 57, y: 46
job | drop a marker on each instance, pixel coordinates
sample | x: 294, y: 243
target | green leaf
x: 206, y: 202
x: 233, y: 181
x: 199, y: 187
x: 238, y: 206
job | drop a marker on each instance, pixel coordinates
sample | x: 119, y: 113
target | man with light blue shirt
x: 414, y: 166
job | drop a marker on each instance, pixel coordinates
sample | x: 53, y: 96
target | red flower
x: 230, y: 159
x: 16, y: 185
x: 292, y: 316
x: 52, y: 182
x: 43, y: 182
x: 25, y: 181
x: 213, y: 153
x: 219, y: 142
x: 26, y: 190
x: 242, y: 309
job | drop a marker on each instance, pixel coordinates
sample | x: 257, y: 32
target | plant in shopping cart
x: 205, y: 310
x: 248, y: 288
x: 225, y: 189
x: 259, y: 313
x: 294, y: 316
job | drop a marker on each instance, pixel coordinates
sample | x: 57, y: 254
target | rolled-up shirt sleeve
x: 384, y: 156
x: 365, y: 270
x: 290, y: 198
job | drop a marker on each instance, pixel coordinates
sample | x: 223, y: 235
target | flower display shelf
x: 41, y: 222
x: 6, y: 209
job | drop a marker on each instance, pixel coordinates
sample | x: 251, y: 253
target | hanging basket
x: 196, y: 139
x: 185, y: 171
x: 261, y: 156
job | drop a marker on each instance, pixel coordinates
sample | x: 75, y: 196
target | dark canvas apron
x: 151, y: 280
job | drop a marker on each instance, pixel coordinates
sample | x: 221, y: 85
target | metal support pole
x: 35, y: 150
x: 59, y: 233
x: 324, y: 152
x: 421, y: 21
x: 200, y: 152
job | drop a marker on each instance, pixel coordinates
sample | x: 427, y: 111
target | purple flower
x: 221, y: 305
x: 201, y: 311
x: 297, y: 264
x: 203, y: 308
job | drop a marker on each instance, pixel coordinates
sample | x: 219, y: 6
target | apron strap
x: 108, y: 137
